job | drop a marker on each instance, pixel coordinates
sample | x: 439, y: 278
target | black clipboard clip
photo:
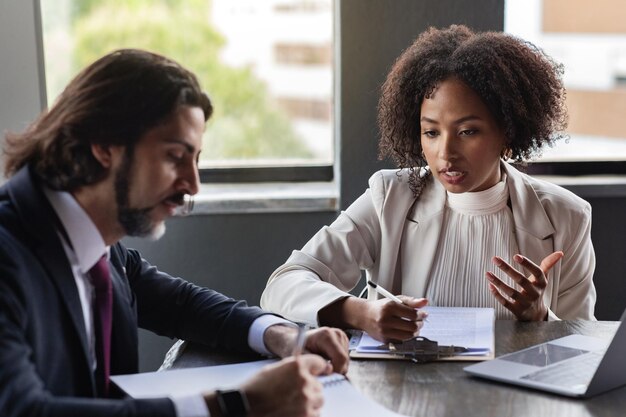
x: 421, y: 349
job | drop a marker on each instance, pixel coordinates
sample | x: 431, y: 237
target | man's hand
x: 288, y: 388
x: 328, y: 342
x: 284, y: 389
x: 332, y: 344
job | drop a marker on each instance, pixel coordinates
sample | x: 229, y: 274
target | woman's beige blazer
x: 369, y: 234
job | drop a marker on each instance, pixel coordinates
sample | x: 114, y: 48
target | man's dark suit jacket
x: 44, y: 361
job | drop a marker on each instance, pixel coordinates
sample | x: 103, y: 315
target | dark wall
x: 373, y: 34
x: 237, y: 253
x: 233, y: 254
x: 608, y: 233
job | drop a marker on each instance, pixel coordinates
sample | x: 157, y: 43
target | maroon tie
x: 101, y: 279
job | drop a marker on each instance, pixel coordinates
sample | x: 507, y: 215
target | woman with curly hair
x: 455, y: 225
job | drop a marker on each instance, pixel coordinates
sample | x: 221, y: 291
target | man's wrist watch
x: 233, y: 403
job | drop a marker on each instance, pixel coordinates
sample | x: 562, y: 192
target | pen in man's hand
x: 298, y: 345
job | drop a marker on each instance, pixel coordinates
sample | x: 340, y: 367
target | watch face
x: 233, y: 403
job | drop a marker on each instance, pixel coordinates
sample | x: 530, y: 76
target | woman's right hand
x: 384, y: 319
x: 389, y: 321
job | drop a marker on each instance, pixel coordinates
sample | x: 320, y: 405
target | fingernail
x: 518, y: 258
x: 489, y: 277
x: 497, y: 261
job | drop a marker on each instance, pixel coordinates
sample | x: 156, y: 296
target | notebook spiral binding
x: 332, y: 380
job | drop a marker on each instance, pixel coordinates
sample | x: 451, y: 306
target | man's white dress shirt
x: 85, y: 248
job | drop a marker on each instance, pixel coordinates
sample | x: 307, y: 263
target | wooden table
x: 444, y: 389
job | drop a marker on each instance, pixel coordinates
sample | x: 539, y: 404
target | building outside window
x: 267, y: 65
x: 589, y: 39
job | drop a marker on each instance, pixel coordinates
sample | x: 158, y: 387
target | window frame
x: 574, y: 168
x: 313, y: 171
x: 606, y: 164
x: 291, y: 173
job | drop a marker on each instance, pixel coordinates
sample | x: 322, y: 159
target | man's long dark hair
x: 114, y: 101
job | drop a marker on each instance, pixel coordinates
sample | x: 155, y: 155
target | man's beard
x: 135, y: 221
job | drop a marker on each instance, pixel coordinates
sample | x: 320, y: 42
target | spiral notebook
x: 341, y: 398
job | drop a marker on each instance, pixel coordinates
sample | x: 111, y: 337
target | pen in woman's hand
x: 380, y: 290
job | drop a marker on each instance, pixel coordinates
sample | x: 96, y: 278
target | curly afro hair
x: 518, y: 82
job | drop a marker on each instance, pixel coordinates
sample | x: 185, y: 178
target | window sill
x: 590, y: 186
x: 323, y: 196
x: 266, y: 198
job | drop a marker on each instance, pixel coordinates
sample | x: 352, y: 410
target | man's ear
x: 105, y: 154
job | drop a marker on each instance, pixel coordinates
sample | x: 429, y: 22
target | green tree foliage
x: 245, y: 125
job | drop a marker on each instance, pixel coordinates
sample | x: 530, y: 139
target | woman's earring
x: 506, y: 153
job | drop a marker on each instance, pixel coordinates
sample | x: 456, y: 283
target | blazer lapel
x: 533, y: 228
x: 40, y: 222
x: 427, y: 219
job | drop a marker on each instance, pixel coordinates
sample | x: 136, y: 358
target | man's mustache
x: 178, y: 199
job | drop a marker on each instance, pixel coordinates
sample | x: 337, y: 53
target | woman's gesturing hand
x: 527, y: 302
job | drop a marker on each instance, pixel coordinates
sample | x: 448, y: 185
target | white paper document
x: 341, y: 398
x: 471, y: 328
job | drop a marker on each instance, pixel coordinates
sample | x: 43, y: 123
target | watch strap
x: 232, y: 403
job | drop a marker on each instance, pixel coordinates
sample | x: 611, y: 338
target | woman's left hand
x: 526, y: 303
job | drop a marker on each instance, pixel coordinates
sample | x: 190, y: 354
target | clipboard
x: 472, y: 328
x: 428, y: 351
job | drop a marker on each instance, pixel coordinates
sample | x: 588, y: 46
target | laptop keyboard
x: 574, y: 373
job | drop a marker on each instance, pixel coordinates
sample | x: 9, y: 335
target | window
x: 267, y: 65
x: 303, y: 54
x: 589, y: 39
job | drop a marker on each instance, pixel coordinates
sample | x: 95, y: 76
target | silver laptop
x: 575, y: 365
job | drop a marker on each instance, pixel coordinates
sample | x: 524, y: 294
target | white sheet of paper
x: 341, y: 398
